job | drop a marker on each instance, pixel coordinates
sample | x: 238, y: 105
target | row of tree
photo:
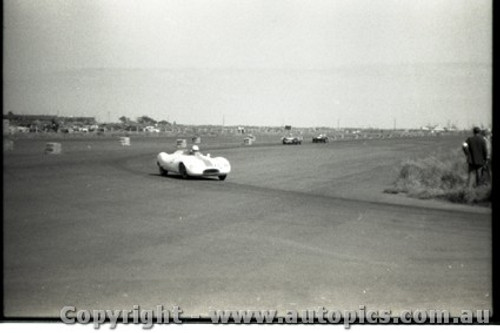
x: 144, y: 120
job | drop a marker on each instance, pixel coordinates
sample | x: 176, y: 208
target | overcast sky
x: 263, y: 62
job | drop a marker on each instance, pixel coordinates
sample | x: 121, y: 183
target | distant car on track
x: 321, y: 138
x: 190, y: 162
x: 292, y: 140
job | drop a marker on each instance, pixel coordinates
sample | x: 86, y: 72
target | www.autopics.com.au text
x: 161, y: 315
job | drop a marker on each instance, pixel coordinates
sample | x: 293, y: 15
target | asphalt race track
x: 292, y: 227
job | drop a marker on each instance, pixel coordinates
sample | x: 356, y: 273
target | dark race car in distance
x: 320, y: 138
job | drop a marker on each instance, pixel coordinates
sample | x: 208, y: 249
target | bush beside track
x: 440, y: 177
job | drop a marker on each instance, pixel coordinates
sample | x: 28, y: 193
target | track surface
x: 292, y: 227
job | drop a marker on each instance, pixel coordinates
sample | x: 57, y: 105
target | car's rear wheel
x: 222, y: 177
x: 182, y: 171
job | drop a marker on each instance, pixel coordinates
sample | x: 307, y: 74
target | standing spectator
x: 476, y: 152
x: 487, y: 166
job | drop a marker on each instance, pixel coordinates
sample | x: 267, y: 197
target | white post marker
x: 8, y: 145
x: 53, y: 148
x: 181, y: 143
x: 125, y: 141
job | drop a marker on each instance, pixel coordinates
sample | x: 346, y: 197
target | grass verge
x: 442, y: 176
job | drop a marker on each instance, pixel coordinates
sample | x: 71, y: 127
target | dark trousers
x: 475, y: 175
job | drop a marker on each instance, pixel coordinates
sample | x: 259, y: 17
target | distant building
x: 151, y: 129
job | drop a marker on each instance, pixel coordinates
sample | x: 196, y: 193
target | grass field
x: 440, y: 176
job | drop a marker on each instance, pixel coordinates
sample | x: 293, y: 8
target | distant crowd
x: 477, y: 150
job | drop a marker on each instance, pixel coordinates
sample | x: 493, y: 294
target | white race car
x: 192, y: 163
x: 292, y: 140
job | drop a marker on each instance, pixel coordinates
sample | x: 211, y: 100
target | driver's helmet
x: 195, y: 149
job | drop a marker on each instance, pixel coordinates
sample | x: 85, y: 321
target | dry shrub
x: 443, y: 176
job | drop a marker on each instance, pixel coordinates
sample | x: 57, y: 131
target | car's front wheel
x: 163, y: 172
x: 222, y: 177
